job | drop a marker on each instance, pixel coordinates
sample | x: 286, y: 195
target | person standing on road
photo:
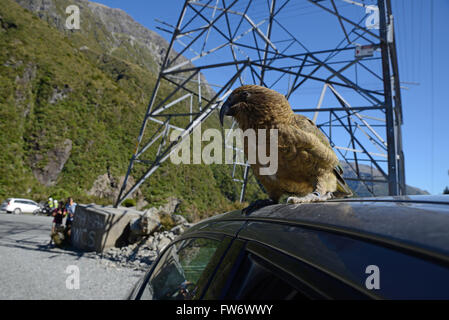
x: 70, y: 208
x: 50, y: 204
x: 58, y: 215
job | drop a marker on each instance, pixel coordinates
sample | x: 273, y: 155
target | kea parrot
x: 308, y: 168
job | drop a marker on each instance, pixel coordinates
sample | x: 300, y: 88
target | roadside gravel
x: 30, y: 269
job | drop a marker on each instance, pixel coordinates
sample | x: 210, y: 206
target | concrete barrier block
x: 96, y: 228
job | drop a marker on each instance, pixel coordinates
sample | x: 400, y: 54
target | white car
x: 18, y: 206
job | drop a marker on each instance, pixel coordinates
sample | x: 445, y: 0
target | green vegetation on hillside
x: 52, y: 92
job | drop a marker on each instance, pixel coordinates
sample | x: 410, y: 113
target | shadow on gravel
x: 32, y: 236
x: 36, y: 237
x: 38, y: 246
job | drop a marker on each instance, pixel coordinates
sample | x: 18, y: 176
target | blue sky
x: 423, y: 68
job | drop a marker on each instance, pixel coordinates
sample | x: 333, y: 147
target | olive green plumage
x: 306, y: 160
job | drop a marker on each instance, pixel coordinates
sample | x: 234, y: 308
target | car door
x: 184, y: 269
x: 21, y: 204
x: 28, y: 206
x: 253, y: 271
x: 33, y: 206
x: 322, y: 264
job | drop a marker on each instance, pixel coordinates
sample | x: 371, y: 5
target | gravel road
x: 30, y: 269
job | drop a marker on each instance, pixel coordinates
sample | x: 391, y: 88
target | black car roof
x: 418, y: 223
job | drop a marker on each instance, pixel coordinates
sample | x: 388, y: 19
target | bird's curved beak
x: 226, y: 110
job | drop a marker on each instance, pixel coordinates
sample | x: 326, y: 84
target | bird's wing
x: 301, y: 134
x: 306, y: 135
x: 306, y: 124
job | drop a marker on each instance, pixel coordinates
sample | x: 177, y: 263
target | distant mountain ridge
x: 380, y: 189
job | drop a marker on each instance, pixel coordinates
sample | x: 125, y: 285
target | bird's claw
x: 311, y: 197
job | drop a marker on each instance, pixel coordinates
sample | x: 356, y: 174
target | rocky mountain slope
x: 107, y: 30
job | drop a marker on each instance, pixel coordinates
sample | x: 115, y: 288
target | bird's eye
x: 245, y: 95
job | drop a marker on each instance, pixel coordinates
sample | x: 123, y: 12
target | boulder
x: 170, y: 207
x: 177, y: 230
x: 178, y: 219
x: 96, y: 228
x: 143, y: 226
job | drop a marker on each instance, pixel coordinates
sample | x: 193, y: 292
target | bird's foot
x: 255, y: 205
x: 311, y: 197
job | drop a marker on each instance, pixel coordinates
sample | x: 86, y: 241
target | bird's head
x: 255, y: 104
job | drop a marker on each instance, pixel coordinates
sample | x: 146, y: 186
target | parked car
x: 369, y: 248
x: 18, y: 206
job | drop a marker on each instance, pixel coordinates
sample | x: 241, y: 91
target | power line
x: 431, y: 96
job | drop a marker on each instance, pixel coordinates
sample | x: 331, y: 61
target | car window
x: 179, y: 271
x: 347, y: 258
x: 257, y: 279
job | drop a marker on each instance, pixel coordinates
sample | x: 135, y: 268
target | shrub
x: 167, y: 222
x: 129, y: 203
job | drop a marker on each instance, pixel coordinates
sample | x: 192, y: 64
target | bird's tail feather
x: 343, y: 190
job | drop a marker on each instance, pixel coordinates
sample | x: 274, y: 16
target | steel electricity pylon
x: 335, y: 60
